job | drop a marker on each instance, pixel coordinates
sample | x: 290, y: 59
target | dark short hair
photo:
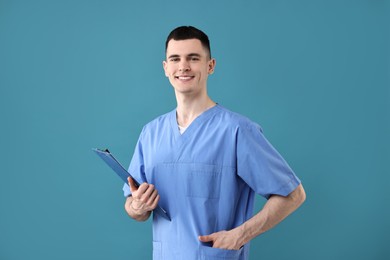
x: 187, y: 33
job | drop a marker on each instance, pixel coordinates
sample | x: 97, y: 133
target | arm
x: 143, y: 200
x: 274, y: 211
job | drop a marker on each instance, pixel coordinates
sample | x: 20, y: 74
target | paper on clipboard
x: 110, y: 160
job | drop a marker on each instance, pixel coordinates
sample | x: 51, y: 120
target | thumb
x: 133, y: 186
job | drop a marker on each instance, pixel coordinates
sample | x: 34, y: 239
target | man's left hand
x: 230, y: 240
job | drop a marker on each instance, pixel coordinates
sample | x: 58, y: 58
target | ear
x: 165, y: 64
x: 212, y: 64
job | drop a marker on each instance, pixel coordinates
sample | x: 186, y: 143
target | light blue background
x: 81, y: 74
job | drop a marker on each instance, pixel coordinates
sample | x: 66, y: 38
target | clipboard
x: 110, y: 160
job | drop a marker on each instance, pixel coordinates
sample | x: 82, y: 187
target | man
x: 203, y: 164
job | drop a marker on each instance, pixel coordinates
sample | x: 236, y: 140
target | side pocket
x: 220, y: 253
x: 157, y: 251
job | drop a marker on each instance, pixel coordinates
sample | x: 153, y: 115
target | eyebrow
x: 173, y: 56
x: 194, y: 54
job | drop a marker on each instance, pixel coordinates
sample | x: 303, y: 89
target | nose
x: 184, y: 66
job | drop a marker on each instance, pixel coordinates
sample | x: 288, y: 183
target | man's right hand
x: 143, y: 201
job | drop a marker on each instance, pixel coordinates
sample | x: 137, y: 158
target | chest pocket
x: 203, y: 181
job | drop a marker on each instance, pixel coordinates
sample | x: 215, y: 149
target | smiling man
x: 204, y: 164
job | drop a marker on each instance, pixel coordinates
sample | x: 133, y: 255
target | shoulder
x: 159, y: 122
x: 236, y: 120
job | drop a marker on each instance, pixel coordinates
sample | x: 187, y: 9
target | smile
x: 184, y: 77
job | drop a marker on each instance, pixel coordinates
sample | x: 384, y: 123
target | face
x: 187, y: 66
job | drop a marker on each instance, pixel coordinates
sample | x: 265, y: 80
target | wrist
x: 238, y: 236
x: 242, y: 234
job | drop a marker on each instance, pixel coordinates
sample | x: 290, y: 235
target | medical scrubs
x: 207, y: 178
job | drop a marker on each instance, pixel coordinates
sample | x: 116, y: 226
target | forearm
x: 133, y: 213
x: 274, y: 211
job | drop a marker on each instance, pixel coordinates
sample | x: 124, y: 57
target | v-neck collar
x: 194, y: 124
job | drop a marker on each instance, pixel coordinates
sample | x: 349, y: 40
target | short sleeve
x: 136, y: 168
x: 126, y: 190
x: 261, y: 166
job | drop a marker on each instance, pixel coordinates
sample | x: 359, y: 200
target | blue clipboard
x: 110, y: 160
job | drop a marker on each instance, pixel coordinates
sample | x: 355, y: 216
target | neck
x: 188, y: 109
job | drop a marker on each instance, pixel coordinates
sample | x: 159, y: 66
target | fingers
x: 149, y: 197
x: 155, y: 202
x: 145, y: 197
x: 138, y: 191
x: 147, y: 192
x: 222, y: 239
x: 206, y: 239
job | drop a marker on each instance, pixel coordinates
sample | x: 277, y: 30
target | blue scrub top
x: 207, y: 178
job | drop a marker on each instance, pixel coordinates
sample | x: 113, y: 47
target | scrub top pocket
x: 203, y: 182
x: 217, y: 253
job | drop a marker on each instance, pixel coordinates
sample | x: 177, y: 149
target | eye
x: 194, y: 58
x: 174, y: 59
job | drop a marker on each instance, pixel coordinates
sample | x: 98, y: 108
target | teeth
x: 184, y: 78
